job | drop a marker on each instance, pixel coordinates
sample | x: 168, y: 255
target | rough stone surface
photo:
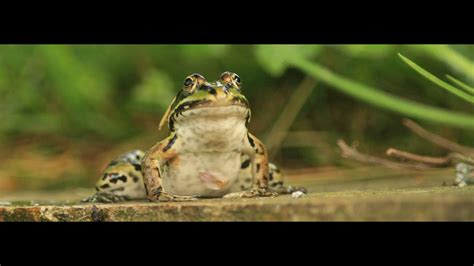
x: 350, y: 196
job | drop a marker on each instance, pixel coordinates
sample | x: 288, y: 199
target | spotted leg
x: 257, y: 153
x: 162, y: 152
x: 277, y: 183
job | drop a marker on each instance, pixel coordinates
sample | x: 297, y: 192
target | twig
x: 354, y: 154
x: 441, y: 161
x: 438, y: 140
x: 280, y: 129
x: 452, y: 157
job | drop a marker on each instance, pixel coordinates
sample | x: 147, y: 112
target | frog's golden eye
x: 188, y: 82
x: 192, y: 81
x: 236, y: 80
x: 231, y: 80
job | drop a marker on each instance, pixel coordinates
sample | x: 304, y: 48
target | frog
x: 209, y: 152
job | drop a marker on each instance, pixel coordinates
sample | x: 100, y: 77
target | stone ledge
x: 433, y: 204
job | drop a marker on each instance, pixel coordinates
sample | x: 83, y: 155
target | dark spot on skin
x: 171, y: 124
x: 247, y: 119
x: 242, y: 187
x: 248, y: 180
x: 114, y: 162
x: 258, y: 167
x: 97, y: 188
x: 134, y: 177
x: 104, y: 186
x: 207, y: 88
x: 115, y: 177
x: 252, y: 143
x: 245, y: 164
x: 104, y: 176
x: 137, y: 167
x: 271, y: 176
x: 170, y: 143
x: 260, y: 149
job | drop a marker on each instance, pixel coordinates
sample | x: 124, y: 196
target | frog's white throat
x: 212, y: 128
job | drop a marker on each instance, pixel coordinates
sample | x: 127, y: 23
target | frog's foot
x: 165, y: 197
x: 104, y: 197
x: 252, y: 193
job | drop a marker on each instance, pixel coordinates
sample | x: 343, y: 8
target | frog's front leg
x: 255, y: 149
x: 162, y: 152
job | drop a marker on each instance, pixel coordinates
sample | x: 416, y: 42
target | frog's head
x: 222, y: 97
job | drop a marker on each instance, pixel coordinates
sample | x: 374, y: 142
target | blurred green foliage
x: 103, y: 92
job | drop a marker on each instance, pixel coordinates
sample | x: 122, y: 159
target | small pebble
x: 297, y: 194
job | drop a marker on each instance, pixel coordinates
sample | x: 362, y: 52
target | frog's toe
x: 165, y: 197
x: 252, y: 193
x: 103, y: 197
x: 184, y: 198
x: 233, y: 195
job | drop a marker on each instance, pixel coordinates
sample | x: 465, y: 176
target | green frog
x: 209, y: 152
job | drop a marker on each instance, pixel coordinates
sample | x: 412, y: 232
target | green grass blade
x: 382, y: 99
x: 447, y: 54
x: 461, y: 84
x: 437, y: 81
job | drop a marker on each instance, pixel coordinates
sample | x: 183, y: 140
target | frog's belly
x: 206, y: 174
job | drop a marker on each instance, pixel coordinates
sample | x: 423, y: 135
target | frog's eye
x: 188, y: 82
x: 231, y: 80
x: 192, y: 81
x: 236, y: 80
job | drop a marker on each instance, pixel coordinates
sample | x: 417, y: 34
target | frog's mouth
x: 234, y: 107
x: 215, y: 111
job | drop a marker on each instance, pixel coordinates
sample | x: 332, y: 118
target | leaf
x: 437, y: 81
x: 367, y: 50
x: 275, y: 58
x: 461, y: 84
x: 450, y: 56
x: 382, y: 99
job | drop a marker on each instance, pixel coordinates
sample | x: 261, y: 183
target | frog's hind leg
x: 277, y: 183
x: 275, y: 179
x: 121, y: 180
x: 117, y: 187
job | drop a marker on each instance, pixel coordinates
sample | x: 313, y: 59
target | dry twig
x: 451, y: 158
x: 438, y: 140
x: 352, y: 153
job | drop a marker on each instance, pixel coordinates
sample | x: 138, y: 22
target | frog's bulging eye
x: 236, y: 79
x: 188, y: 82
x: 192, y: 81
x: 231, y: 80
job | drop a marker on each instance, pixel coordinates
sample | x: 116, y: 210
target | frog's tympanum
x: 209, y: 153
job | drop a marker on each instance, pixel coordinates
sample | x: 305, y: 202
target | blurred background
x: 67, y: 110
